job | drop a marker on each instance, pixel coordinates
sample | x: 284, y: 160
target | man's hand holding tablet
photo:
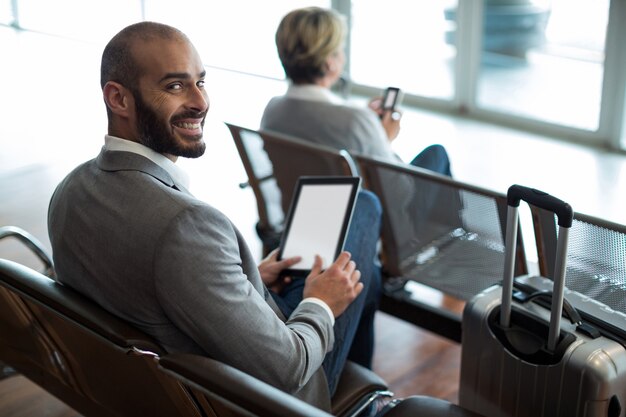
x: 315, y: 231
x: 338, y: 285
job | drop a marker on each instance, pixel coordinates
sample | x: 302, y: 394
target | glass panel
x: 544, y: 60
x: 405, y: 45
x: 622, y: 139
x: 235, y: 34
x: 6, y: 12
x: 79, y: 19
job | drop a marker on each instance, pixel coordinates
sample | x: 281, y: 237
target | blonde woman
x: 310, y: 43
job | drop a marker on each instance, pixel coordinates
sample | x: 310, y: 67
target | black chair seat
x: 90, y: 359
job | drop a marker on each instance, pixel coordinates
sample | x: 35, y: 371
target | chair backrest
x: 596, y: 256
x: 240, y: 393
x: 95, y: 362
x: 273, y: 163
x: 260, y: 174
x: 293, y: 157
x: 443, y: 233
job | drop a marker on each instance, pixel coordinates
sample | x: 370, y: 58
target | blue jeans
x: 434, y: 158
x: 354, y: 329
x: 443, y: 200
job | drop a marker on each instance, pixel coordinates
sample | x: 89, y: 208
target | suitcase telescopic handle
x: 542, y: 200
x: 565, y: 216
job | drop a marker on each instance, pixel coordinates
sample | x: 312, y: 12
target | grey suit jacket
x: 124, y: 234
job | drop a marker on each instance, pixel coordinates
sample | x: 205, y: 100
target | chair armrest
x: 357, y: 388
x: 212, y: 377
x: 33, y: 244
x: 420, y: 405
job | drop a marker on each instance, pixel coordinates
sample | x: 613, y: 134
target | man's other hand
x: 337, y: 286
x: 270, y: 269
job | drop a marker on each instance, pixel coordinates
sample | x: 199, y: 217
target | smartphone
x: 391, y: 99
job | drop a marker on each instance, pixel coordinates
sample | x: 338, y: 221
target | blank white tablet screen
x: 317, y: 222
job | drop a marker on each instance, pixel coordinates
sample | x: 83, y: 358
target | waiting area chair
x: 238, y: 392
x: 292, y: 158
x: 595, y: 266
x: 93, y: 361
x: 102, y: 366
x: 260, y: 173
x: 273, y: 164
x: 440, y: 233
x: 13, y: 304
x: 32, y: 243
x: 247, y: 396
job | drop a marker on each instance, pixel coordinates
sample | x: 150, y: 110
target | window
x: 403, y: 45
x: 545, y: 61
x: 95, y: 21
x: 236, y: 34
x: 556, y: 66
x: 6, y: 12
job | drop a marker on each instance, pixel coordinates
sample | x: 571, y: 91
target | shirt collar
x: 312, y: 92
x: 113, y: 143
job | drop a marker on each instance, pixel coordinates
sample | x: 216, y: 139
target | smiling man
x: 126, y: 232
x: 154, y: 91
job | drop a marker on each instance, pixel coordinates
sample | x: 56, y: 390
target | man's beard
x: 155, y: 133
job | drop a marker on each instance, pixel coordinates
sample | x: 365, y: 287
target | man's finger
x: 350, y: 267
x: 358, y: 288
x: 317, y: 265
x: 285, y: 263
x: 343, y: 259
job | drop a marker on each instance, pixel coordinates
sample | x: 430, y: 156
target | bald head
x: 119, y: 63
x: 153, y: 86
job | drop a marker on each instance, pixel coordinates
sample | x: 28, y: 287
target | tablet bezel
x: 303, y: 181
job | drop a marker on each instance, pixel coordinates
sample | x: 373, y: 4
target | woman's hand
x: 391, y: 123
x: 389, y: 118
x: 376, y: 104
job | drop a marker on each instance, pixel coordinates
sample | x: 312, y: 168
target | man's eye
x: 200, y: 84
x: 175, y: 86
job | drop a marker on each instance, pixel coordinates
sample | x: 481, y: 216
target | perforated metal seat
x: 595, y: 267
x: 439, y: 232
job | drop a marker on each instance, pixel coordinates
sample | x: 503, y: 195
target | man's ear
x: 117, y: 98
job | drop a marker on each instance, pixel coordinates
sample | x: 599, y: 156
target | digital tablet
x: 318, y: 221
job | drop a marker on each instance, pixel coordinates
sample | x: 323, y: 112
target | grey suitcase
x: 525, y: 359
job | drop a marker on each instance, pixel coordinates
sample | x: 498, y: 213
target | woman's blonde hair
x: 305, y: 38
